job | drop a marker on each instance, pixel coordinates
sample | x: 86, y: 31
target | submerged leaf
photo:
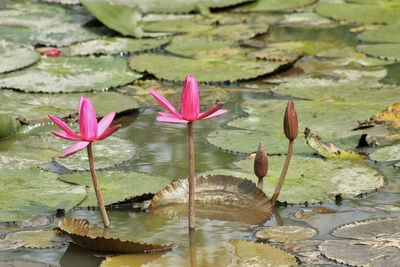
x: 130, y: 260
x: 218, y: 197
x: 37, y: 239
x: 286, y: 233
x: 87, y: 236
x: 8, y: 125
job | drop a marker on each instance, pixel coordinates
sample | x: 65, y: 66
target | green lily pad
x: 16, y: 56
x: 115, y: 45
x: 381, y: 51
x: 128, y: 260
x: 34, y: 108
x: 63, y: 2
x: 313, y: 180
x: 117, y: 185
x: 108, y: 153
x: 175, y: 23
x: 306, y: 20
x: 304, y: 47
x: 367, y: 243
x: 222, y: 70
x: 160, y: 6
x: 286, y: 233
x: 361, y: 12
x: 27, y: 193
x: 37, y: 239
x: 70, y: 74
x: 389, y: 153
x: 249, y: 253
x: 275, y: 5
x: 8, y: 125
x: 386, y: 34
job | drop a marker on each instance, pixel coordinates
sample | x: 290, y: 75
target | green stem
x: 192, y: 181
x: 283, y: 173
x: 96, y: 187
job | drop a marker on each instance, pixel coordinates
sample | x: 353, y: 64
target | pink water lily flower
x: 90, y: 129
x: 190, y: 106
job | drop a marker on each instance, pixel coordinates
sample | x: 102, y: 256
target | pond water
x: 163, y: 152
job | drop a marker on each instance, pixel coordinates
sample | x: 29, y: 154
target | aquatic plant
x: 90, y: 131
x: 190, y: 112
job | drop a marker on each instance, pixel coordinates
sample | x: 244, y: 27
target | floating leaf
x: 6, y: 244
x: 286, y: 233
x: 8, y: 125
x: 258, y: 254
x: 389, y: 116
x: 306, y: 20
x: 389, y: 153
x: 86, y: 236
x: 31, y: 192
x: 275, y: 5
x: 305, y: 47
x: 108, y: 153
x: 366, y: 12
x: 218, y: 197
x: 314, y: 180
x: 69, y: 74
x: 381, y: 51
x: 222, y: 70
x: 386, y: 34
x: 63, y: 2
x: 368, y: 243
x: 114, y: 45
x: 37, y: 239
x: 330, y: 150
x: 23, y: 264
x: 16, y: 56
x: 130, y: 260
x: 117, y: 185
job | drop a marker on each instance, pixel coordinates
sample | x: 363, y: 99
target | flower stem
x: 260, y: 183
x: 96, y: 187
x: 192, y: 181
x: 192, y: 247
x: 283, y: 173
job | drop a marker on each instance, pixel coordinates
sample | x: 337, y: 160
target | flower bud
x: 261, y: 162
x: 290, y: 122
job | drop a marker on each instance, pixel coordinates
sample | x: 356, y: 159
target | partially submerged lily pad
x: 15, y: 56
x: 221, y: 70
x: 90, y: 237
x: 286, y: 233
x: 114, y: 45
x: 8, y: 125
x: 31, y: 192
x: 108, y: 153
x: 250, y: 253
x: 37, y: 239
x: 130, y: 260
x: 117, y: 185
x: 275, y: 5
x: 70, y: 74
x: 218, y: 197
x: 386, y: 154
x: 367, y: 243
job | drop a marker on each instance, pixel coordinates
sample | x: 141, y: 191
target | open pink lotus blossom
x: 90, y: 129
x: 190, y: 105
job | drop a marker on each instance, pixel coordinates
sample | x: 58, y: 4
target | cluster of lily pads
x: 113, y: 51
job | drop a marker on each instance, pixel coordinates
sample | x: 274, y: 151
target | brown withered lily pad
x: 90, y: 237
x: 389, y: 116
x: 218, y: 197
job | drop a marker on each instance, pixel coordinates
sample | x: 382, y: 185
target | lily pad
x: 6, y: 244
x: 222, y: 70
x: 8, y: 125
x: 385, y: 154
x: 361, y: 12
x: 381, y: 51
x: 305, y: 47
x: 286, y: 233
x: 386, y: 34
x: 23, y: 264
x: 259, y: 254
x: 34, y: 108
x: 368, y: 243
x: 16, y: 56
x: 218, y: 197
x: 90, y: 237
x: 70, y: 74
x: 115, y: 45
x: 63, y: 2
x: 306, y: 20
x: 31, y: 192
x: 130, y: 260
x: 107, y: 153
x: 117, y: 185
x: 315, y: 180
x: 37, y: 239
x: 275, y: 5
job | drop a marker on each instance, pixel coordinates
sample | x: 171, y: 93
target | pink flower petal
x: 63, y: 126
x: 164, y: 103
x: 190, y: 101
x: 109, y: 132
x: 75, y: 148
x: 87, y: 120
x: 213, y: 109
x: 215, y: 114
x: 67, y: 136
x: 169, y: 118
x: 104, y: 123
